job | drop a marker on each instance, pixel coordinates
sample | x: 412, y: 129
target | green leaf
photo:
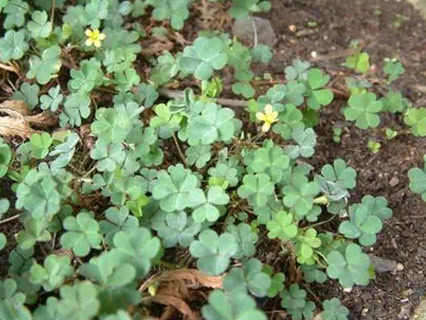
x: 257, y: 189
x: 359, y: 61
x: 243, y: 88
x: 294, y: 301
x: 250, y: 277
x: 289, y: 120
x: 64, y: 152
x: 393, y: 68
x: 177, y: 189
x: 117, y: 220
x: 178, y: 229
x: 216, y: 196
x: 299, y: 195
x: 3, y: 241
x: 5, y: 158
x: 213, y: 124
x: 277, y: 285
x: 246, y: 239
x: 417, y: 184
x: 53, y: 100
x: 82, y: 234
x: 262, y: 53
x: 95, y: 11
x: 334, y: 310
x: 231, y: 306
x: 40, y: 144
x: 12, y: 302
x: 76, y: 107
x: 242, y: 8
x: 85, y: 79
x: 394, y: 102
x: 416, y: 119
x: 312, y: 273
x: 224, y: 172
x: 78, y: 302
x: 120, y: 315
x: 125, y: 80
x: 297, y: 71
x: 213, y: 252
x: 45, y: 67
x: 40, y: 26
x: 28, y: 93
x: 363, y: 225
x: 306, y: 140
x: 112, y: 124
x: 377, y: 206
x: 53, y: 272
x: 282, y: 226
x: 16, y: 11
x: 317, y: 95
x: 138, y: 248
x: 204, y: 56
x: 108, y: 270
x: 175, y: 11
x: 271, y: 160
x: 306, y: 243
x: 13, y: 45
x: 38, y: 194
x: 350, y: 268
x: 198, y: 155
x: 363, y: 109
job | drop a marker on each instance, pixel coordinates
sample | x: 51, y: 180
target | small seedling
x: 374, y: 146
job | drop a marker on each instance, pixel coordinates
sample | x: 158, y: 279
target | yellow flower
x: 269, y: 117
x: 94, y: 37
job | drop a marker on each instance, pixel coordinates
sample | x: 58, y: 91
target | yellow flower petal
x: 266, y: 126
x: 101, y: 36
x: 260, y: 116
x: 88, y: 42
x: 96, y: 33
x: 97, y: 43
x: 268, y: 109
x: 274, y: 115
x: 88, y: 32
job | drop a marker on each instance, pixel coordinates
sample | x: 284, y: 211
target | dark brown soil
x: 390, y: 296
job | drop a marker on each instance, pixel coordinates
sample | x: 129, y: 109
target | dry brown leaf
x: 11, y: 127
x: 176, y: 302
x: 195, y: 279
x: 18, y: 119
x: 15, y: 105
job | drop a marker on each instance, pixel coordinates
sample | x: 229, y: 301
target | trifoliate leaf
x: 363, y: 109
x: 262, y: 53
x: 359, y: 61
x: 416, y: 119
x: 12, y: 302
x: 295, y: 303
x: 350, y: 268
x: 45, y: 67
x: 257, y: 189
x: 216, y: 196
x: 306, y: 140
x: 28, y: 93
x: 231, y: 306
x: 35, y: 231
x: 16, y: 11
x: 117, y: 220
x: 317, y: 95
x: 334, y: 310
x: 250, y: 277
x: 175, y: 11
x: 282, y: 226
x: 52, y: 100
x: 213, y: 252
x: 297, y: 71
x: 299, y: 195
x: 76, y: 108
x: 246, y: 239
x: 213, y: 124
x: 82, y: 234
x: 393, y: 68
x: 40, y: 144
x: 204, y: 56
x: 198, y: 155
x: 13, y: 45
x: 53, y: 272
x: 177, y: 189
x: 40, y: 26
x: 363, y: 225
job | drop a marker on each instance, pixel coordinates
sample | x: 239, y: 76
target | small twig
x: 254, y: 32
x: 52, y: 16
x: 16, y: 216
x: 179, y: 150
x: 178, y: 94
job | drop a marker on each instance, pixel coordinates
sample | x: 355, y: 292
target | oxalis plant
x: 140, y: 185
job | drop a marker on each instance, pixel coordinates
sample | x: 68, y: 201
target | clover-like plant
x: 363, y: 109
x: 294, y: 300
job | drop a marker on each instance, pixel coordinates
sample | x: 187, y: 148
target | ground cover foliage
x: 134, y: 203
